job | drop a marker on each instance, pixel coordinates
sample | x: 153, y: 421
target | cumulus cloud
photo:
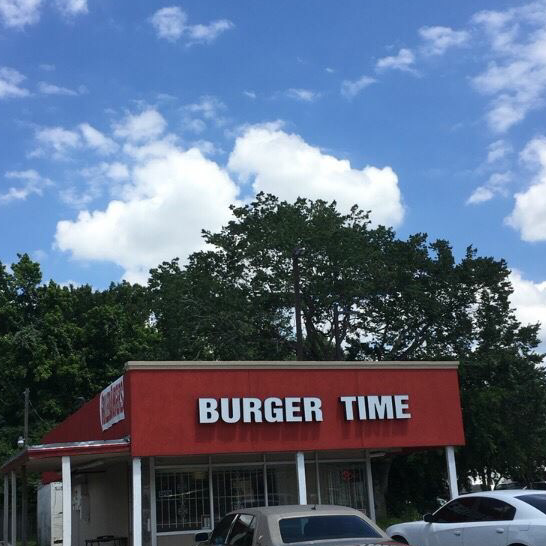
x: 529, y: 213
x: 529, y: 300
x: 171, y: 23
x: 496, y: 185
x: 146, y: 125
x: 169, y: 199
x: 51, y: 89
x: 285, y: 165
x: 10, y: 81
x: 437, y: 40
x: 72, y: 7
x: 498, y: 150
x: 95, y: 139
x: 56, y: 140
x: 515, y: 77
x: 30, y: 183
x: 350, y: 89
x: 19, y: 13
x: 207, y: 109
x: 404, y: 61
x: 305, y: 95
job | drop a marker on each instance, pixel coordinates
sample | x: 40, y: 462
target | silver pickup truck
x: 295, y: 525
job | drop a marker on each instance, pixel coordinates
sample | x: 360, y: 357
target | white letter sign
x: 112, y: 405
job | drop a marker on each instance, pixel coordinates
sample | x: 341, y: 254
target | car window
x: 538, y: 501
x: 495, y: 510
x: 458, y: 511
x: 221, y: 530
x: 325, y: 528
x: 242, y: 531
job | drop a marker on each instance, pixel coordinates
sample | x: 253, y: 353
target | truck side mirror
x: 429, y: 518
x: 201, y: 537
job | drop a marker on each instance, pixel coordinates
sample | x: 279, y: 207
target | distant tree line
x: 365, y: 295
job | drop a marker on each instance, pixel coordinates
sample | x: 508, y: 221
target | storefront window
x: 343, y: 484
x: 282, y: 485
x: 182, y: 500
x: 236, y: 488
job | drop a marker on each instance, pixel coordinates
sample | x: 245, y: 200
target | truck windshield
x: 307, y: 528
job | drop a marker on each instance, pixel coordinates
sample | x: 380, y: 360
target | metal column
x: 137, y: 502
x: 5, y: 538
x: 67, y: 502
x: 369, y: 486
x: 451, y: 472
x: 13, y: 509
x: 302, y: 485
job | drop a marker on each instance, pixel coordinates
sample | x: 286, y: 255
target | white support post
x: 369, y: 486
x: 137, y: 502
x: 153, y: 514
x: 67, y: 501
x: 13, y: 508
x: 5, y: 538
x: 451, y: 472
x: 302, y: 485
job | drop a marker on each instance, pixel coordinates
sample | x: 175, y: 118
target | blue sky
x: 128, y: 126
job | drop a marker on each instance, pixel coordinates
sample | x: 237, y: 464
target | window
x: 325, y: 528
x: 242, y: 531
x: 182, y: 500
x: 343, y: 484
x: 458, y: 511
x: 221, y: 530
x: 495, y: 510
x: 537, y: 501
x: 236, y: 488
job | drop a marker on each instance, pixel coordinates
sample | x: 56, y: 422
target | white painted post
x: 153, y: 514
x: 13, y: 508
x: 67, y: 501
x: 137, y: 502
x: 369, y: 486
x: 451, y: 472
x: 6, y: 509
x: 302, y: 485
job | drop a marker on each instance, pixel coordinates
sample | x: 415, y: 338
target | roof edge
x: 290, y: 365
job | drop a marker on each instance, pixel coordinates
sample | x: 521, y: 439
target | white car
x: 491, y: 518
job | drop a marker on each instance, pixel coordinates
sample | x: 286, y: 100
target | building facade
x: 170, y: 447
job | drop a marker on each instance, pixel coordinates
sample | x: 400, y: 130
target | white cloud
x: 209, y: 108
x: 47, y: 67
x: 529, y: 300
x: 51, y: 89
x: 147, y: 125
x: 170, y: 24
x: 171, y: 196
x: 439, y: 39
x: 305, y: 95
x: 403, y: 61
x: 250, y: 94
x: 19, y: 13
x: 529, y: 213
x: 498, y: 150
x: 515, y: 77
x: 350, y: 89
x: 31, y: 183
x: 9, y: 83
x: 208, y: 33
x: 285, y: 165
x: 72, y: 7
x: 496, y: 185
x: 57, y: 140
x: 96, y: 140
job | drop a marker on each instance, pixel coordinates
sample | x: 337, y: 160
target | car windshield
x: 307, y: 528
x: 537, y: 500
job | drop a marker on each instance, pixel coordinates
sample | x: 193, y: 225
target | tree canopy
x: 366, y: 295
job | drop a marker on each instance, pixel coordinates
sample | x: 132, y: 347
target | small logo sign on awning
x: 112, y: 407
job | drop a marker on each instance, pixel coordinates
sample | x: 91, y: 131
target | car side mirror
x: 201, y: 537
x: 429, y: 518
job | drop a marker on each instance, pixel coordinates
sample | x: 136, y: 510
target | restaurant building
x: 170, y: 447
